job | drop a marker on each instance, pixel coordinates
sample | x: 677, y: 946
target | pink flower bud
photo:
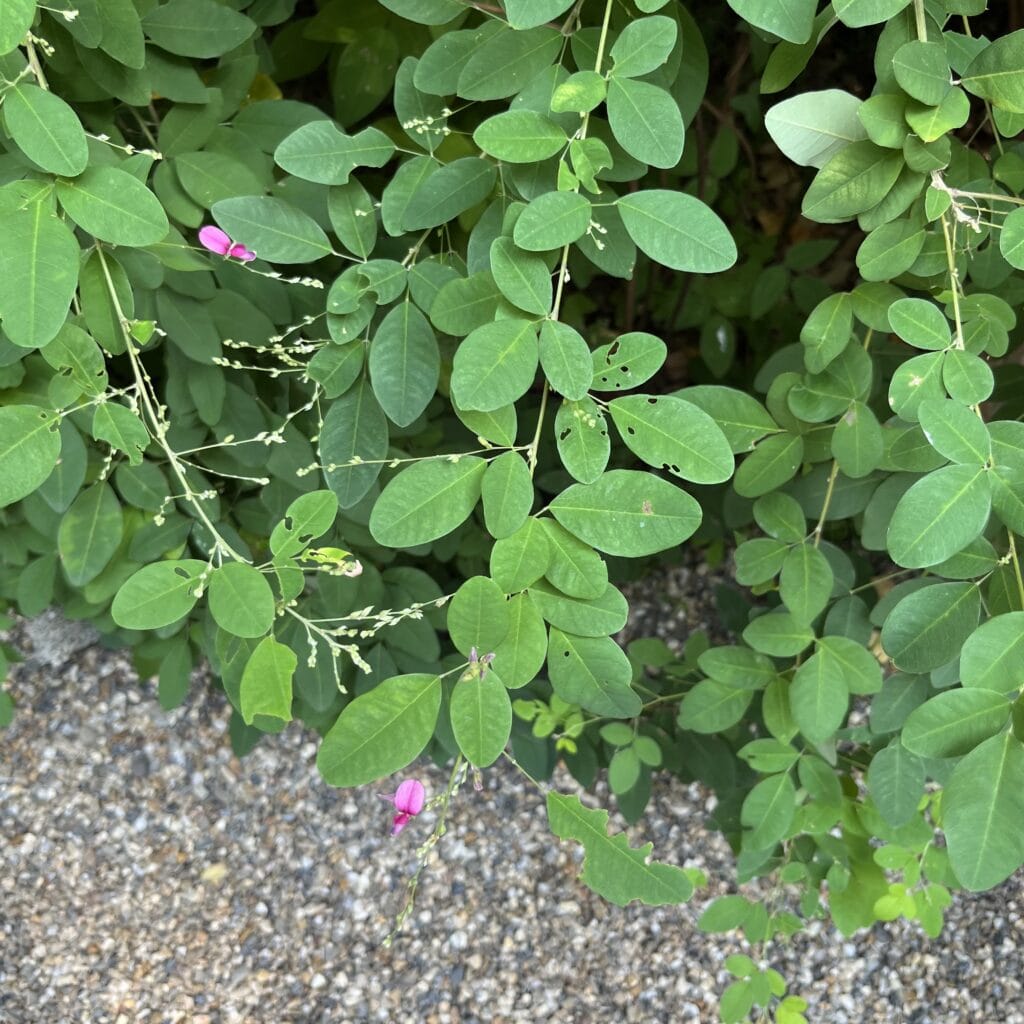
x: 408, y: 800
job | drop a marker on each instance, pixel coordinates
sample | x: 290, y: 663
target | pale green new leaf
x: 814, y: 126
x: 266, y: 684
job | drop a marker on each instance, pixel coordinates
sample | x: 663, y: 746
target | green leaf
x: 890, y: 250
x: 853, y: 661
x: 576, y: 568
x: 90, y: 533
x: 738, y: 667
x: 241, y: 600
x: 565, y: 359
x: 627, y: 513
x: 197, y: 28
x: 520, y: 137
x: 524, y: 279
x: 114, y: 206
x: 507, y: 61
x: 30, y: 446
x: 158, y: 594
x: 38, y: 275
x: 1011, y: 239
x: 778, y: 634
x: 426, y: 501
x: 739, y: 416
x: 827, y: 331
x: 725, y: 913
x: 670, y: 433
x: 814, y: 126
x: 805, y: 584
x: 610, y: 867
x: 520, y: 656
x: 857, y: 442
x: 15, y: 20
x: 477, y: 616
x: 593, y: 672
x: 997, y: 73
x: 920, y: 323
x: 481, y: 715
x: 351, y: 210
x: 336, y: 367
x: 915, y: 381
x: 677, y: 230
x: 991, y: 658
x: 954, y: 722
x: 599, y: 616
x: 768, y: 811
x: 274, y: 229
x: 580, y: 93
x: 792, y: 20
x: 582, y: 438
x: 354, y: 431
x: 855, y: 179
x: 507, y: 492
x: 955, y: 432
x: 466, y: 303
x: 983, y: 812
x: 759, y: 560
x: 46, y: 130
x: 121, y: 429
x: 896, y: 783
x: 922, y: 71
x: 309, y: 516
x: 495, y: 365
x: 531, y: 13
x: 818, y: 698
x: 448, y: 191
x: 858, y: 13
x: 643, y: 46
x: 646, y: 122
x: 712, y: 706
x: 519, y: 560
x: 404, y: 363
x: 319, y: 152
x: 940, y: 515
x: 627, y: 362
x: 266, y: 685
x: 769, y: 755
x: 774, y: 461
x: 928, y: 627
x: 552, y: 220
x: 381, y: 732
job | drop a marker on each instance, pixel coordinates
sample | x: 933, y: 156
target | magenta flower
x: 408, y: 800
x: 219, y: 242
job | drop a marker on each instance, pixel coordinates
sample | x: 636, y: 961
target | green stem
x: 33, y: 63
x: 1016, y: 566
x: 919, y: 18
x: 826, y: 503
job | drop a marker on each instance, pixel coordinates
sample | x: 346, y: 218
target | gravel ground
x: 148, y: 875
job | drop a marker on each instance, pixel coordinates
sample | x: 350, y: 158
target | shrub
x: 465, y: 341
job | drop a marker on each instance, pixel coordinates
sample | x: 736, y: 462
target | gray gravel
x: 148, y: 875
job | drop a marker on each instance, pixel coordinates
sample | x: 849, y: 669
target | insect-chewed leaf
x: 611, y: 867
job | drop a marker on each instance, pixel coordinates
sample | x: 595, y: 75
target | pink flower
x: 219, y: 242
x: 408, y: 800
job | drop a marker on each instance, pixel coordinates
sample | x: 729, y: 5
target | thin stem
x: 826, y: 503
x: 33, y: 63
x: 159, y: 427
x: 1016, y: 566
x: 919, y: 18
